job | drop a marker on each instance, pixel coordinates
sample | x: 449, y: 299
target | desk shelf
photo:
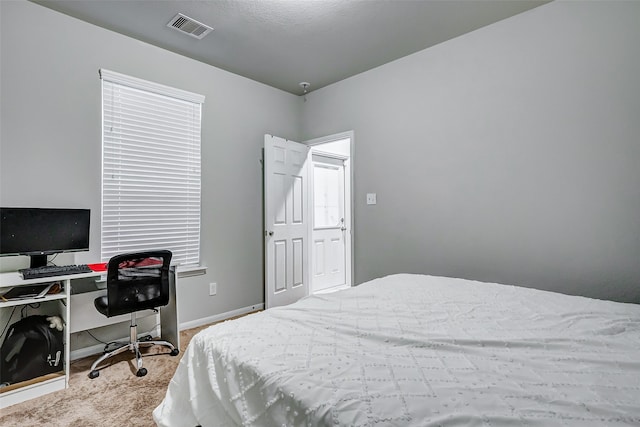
x: 49, y: 305
x: 33, y: 388
x: 25, y: 301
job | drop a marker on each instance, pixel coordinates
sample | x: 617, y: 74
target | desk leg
x: 169, y: 330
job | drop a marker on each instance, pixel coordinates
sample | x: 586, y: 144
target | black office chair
x: 135, y: 282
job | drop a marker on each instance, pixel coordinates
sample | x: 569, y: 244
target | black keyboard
x: 53, y: 270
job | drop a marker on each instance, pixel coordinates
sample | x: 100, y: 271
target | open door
x: 286, y: 221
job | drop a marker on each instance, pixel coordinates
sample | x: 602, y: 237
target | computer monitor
x: 38, y: 232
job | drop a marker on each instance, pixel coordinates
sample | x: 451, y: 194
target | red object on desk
x: 98, y: 267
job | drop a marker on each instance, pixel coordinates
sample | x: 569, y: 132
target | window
x: 328, y: 192
x: 150, y: 168
x: 326, y: 196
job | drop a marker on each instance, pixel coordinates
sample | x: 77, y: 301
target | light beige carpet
x: 116, y: 398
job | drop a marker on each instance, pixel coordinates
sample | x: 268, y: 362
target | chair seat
x: 102, y: 305
x: 142, y: 298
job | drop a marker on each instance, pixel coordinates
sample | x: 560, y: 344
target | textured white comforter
x: 411, y: 350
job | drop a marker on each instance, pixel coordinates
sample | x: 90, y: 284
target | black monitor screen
x: 35, y: 231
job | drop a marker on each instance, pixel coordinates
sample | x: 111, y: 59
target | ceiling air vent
x: 189, y: 26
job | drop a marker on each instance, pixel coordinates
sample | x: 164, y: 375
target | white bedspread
x: 411, y: 350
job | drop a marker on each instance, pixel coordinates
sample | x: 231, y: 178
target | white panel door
x: 285, y: 188
x: 329, y: 226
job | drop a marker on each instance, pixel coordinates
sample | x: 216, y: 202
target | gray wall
x: 509, y: 154
x: 50, y: 147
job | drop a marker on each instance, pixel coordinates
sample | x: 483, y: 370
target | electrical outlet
x: 371, y: 198
x: 213, y: 288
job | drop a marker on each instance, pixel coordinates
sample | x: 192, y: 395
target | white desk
x: 78, y: 314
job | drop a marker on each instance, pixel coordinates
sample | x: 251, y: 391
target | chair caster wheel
x: 141, y: 372
x: 174, y: 352
x: 94, y: 374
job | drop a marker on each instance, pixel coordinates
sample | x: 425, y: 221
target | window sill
x: 191, y: 270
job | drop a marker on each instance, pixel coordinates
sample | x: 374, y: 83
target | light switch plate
x: 371, y: 198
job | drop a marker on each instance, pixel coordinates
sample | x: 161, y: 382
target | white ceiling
x: 284, y: 42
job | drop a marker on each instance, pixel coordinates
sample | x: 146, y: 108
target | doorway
x: 308, y: 239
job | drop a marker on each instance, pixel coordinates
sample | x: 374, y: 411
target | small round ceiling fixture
x: 304, y: 86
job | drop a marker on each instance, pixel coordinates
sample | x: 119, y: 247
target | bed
x: 414, y: 350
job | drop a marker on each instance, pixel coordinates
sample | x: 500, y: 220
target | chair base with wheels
x: 133, y: 346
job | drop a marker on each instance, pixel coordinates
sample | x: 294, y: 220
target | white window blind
x: 150, y: 168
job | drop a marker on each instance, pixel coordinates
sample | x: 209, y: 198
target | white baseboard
x: 99, y: 348
x: 222, y: 316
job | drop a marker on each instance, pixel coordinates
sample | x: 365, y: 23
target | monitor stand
x: 38, y: 261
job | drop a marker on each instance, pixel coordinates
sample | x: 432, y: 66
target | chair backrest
x: 138, y: 281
